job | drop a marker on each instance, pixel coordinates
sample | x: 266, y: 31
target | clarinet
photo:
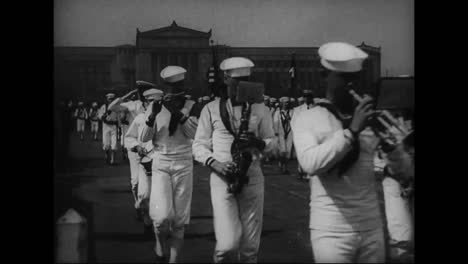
x: 241, y: 155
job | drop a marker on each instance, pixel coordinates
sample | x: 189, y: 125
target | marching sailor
x: 237, y: 217
x: 345, y: 220
x: 93, y: 117
x: 134, y: 108
x: 282, y: 119
x: 142, y: 149
x: 81, y: 115
x: 306, y: 101
x: 171, y: 127
x: 266, y: 100
x: 109, y: 129
x: 124, y: 122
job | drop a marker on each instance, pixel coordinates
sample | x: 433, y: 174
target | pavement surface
x: 102, y: 194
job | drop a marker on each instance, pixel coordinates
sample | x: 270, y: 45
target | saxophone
x: 241, y: 155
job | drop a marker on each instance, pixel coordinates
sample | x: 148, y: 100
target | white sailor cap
x: 300, y: 99
x: 273, y: 100
x: 341, y: 57
x: 206, y: 98
x: 321, y: 100
x: 110, y: 95
x: 266, y: 97
x: 145, y: 84
x: 307, y: 91
x: 153, y: 93
x: 284, y: 99
x: 292, y: 99
x: 188, y: 96
x: 173, y: 74
x: 94, y: 104
x: 236, y: 66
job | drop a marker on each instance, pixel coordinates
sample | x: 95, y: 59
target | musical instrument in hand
x: 385, y: 125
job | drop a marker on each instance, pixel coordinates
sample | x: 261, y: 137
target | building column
x: 143, y: 66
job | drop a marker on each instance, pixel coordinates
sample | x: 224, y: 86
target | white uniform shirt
x: 93, y: 114
x: 212, y: 139
x: 284, y: 145
x: 134, y: 132
x: 112, y: 117
x: 134, y: 107
x: 81, y: 113
x: 340, y: 203
x: 175, y: 147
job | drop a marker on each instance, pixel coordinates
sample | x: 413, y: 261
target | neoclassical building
x: 87, y: 73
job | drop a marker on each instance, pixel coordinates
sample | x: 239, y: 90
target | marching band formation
x: 340, y: 142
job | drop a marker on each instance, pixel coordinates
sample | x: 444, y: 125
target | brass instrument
x: 241, y: 156
x: 385, y: 125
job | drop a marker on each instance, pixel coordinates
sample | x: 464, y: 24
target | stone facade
x: 87, y: 73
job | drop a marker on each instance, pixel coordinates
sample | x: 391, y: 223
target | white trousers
x: 144, y: 187
x: 134, y: 159
x: 171, y: 194
x: 285, y: 146
x: 94, y: 126
x: 109, y: 137
x: 399, y: 220
x: 123, y: 129
x: 80, y: 125
x: 237, y: 220
x: 348, y: 247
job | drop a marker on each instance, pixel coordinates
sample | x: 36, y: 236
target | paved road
x: 118, y: 237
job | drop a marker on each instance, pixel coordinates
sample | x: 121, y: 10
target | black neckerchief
x: 285, y: 119
x: 353, y: 155
x: 225, y: 116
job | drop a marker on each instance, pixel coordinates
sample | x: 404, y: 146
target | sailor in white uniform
x: 171, y: 128
x: 109, y: 129
x: 81, y: 116
x: 134, y: 108
x: 143, y: 150
x: 345, y: 221
x: 237, y: 217
x: 281, y: 120
x: 93, y: 116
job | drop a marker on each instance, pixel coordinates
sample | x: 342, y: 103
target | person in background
x: 109, y: 120
x: 292, y: 102
x: 206, y: 99
x: 93, y: 117
x: 272, y: 106
x: 81, y: 116
x: 305, y: 102
x: 266, y: 100
x: 281, y: 120
x: 124, y: 123
x: 300, y: 101
x: 135, y: 107
x: 143, y: 150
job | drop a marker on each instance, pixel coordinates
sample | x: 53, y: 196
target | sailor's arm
x: 266, y: 131
x: 131, y: 137
x: 203, y: 144
x: 314, y: 157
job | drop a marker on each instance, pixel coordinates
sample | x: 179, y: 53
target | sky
x: 388, y: 24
